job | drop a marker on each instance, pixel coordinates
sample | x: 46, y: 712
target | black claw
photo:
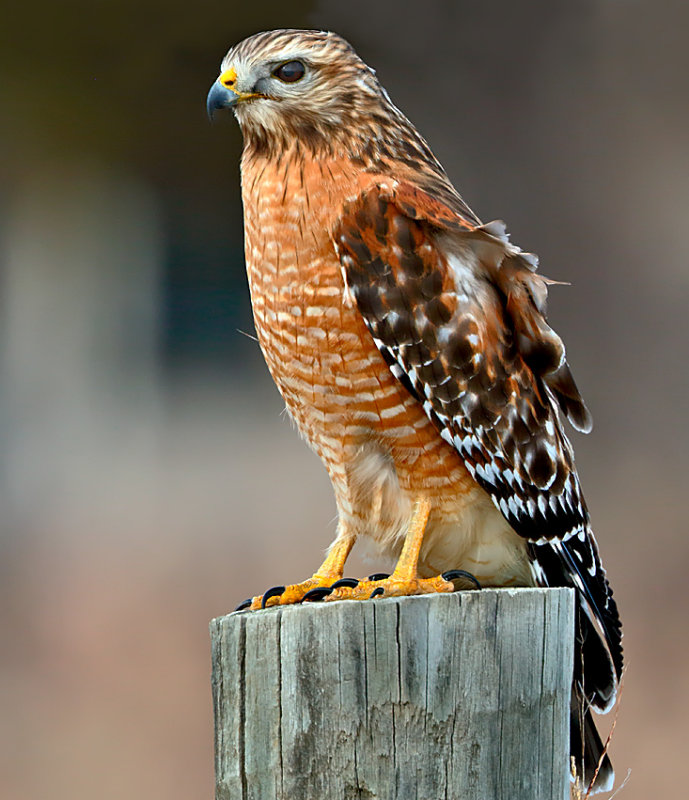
x: 377, y: 592
x: 378, y: 576
x: 245, y: 604
x: 350, y: 583
x: 317, y: 594
x: 274, y: 592
x: 453, y: 574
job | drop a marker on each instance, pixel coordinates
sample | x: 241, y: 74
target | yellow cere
x: 229, y: 78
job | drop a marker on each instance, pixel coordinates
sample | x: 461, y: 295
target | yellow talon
x: 329, y: 572
x: 391, y: 587
x: 403, y: 581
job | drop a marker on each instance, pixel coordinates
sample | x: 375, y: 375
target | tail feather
x: 598, y: 657
x: 598, y: 627
x: 587, y: 750
x: 596, y: 669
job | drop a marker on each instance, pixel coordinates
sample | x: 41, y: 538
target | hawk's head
x: 291, y: 84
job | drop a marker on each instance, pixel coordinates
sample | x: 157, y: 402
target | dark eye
x: 291, y: 72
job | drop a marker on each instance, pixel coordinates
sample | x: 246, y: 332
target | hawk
x: 410, y: 343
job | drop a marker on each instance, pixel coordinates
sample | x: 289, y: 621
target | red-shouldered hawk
x: 410, y: 344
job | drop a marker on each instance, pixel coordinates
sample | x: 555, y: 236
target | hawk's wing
x: 459, y: 315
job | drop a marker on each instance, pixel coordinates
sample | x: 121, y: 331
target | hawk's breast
x: 316, y: 344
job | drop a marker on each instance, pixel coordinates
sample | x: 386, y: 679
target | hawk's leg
x: 329, y: 571
x: 405, y: 579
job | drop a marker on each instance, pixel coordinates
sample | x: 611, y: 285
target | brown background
x: 148, y: 479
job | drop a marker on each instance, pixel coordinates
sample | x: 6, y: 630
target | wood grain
x: 461, y: 696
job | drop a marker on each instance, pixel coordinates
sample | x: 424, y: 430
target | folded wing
x: 459, y: 315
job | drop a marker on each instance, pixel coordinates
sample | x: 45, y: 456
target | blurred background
x: 148, y: 479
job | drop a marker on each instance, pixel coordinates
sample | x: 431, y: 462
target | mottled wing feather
x: 458, y: 314
x: 450, y: 333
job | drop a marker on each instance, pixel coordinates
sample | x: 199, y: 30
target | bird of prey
x: 409, y: 341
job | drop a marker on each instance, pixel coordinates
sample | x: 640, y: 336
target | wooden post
x: 447, y: 697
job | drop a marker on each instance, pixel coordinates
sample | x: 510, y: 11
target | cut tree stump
x: 459, y: 696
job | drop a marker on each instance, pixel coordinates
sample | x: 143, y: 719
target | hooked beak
x: 220, y: 97
x: 224, y: 93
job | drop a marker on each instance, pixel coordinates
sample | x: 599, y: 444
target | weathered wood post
x: 463, y: 697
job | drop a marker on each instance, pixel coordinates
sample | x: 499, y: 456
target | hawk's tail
x: 587, y: 750
x: 598, y: 658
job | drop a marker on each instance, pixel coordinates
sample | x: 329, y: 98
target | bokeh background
x: 148, y: 479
